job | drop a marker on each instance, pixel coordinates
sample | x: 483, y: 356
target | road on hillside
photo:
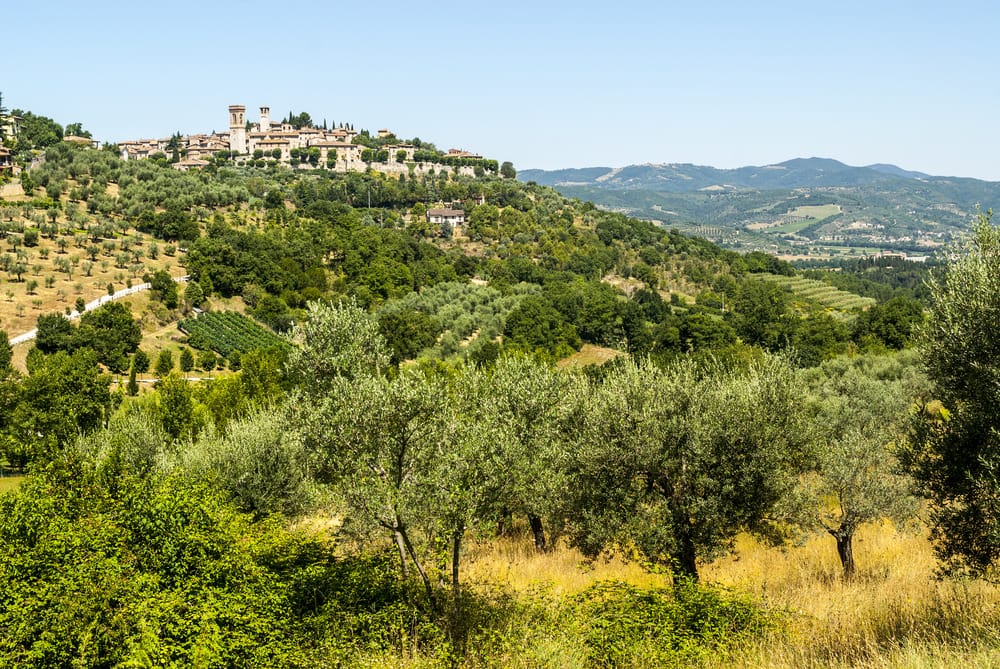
x: 90, y: 306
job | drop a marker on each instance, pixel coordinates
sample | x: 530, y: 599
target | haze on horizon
x: 545, y: 85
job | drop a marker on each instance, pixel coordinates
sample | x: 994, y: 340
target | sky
x: 542, y: 84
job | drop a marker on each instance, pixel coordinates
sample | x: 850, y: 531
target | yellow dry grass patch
x: 590, y: 355
x: 8, y: 483
x: 895, y: 613
x: 514, y: 563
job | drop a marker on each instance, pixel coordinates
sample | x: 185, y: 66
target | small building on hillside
x: 6, y: 160
x: 450, y: 216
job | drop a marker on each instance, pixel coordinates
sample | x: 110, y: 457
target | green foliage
x: 111, y: 332
x: 461, y: 313
x: 819, y: 293
x: 186, y: 360
x: 528, y: 411
x: 193, y: 294
x: 861, y: 412
x: 955, y: 446
x: 64, y: 395
x: 273, y: 312
x: 675, y: 461
x: 141, y: 361
x: 258, y: 460
x: 100, y: 570
x: 758, y: 314
x: 680, y: 627
x: 337, y: 340
x: 175, y: 407
x: 37, y: 132
x: 892, y: 322
x: 382, y: 442
x: 227, y: 331
x: 407, y: 332
x: 132, y: 388
x: 164, y: 363
x: 534, y: 325
x: 164, y: 288
x: 818, y: 337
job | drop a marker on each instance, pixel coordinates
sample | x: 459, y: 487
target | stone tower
x: 265, y: 119
x: 237, y: 128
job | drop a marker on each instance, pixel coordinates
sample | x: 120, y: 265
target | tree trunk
x: 456, y: 546
x: 685, y: 560
x: 401, y: 547
x: 537, y: 531
x: 505, y: 523
x: 845, y: 548
x: 420, y: 567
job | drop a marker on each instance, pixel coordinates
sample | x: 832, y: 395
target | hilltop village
x: 305, y: 146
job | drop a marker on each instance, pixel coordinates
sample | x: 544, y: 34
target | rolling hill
x: 809, y: 207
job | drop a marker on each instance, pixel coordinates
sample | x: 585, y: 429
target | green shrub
x: 675, y: 627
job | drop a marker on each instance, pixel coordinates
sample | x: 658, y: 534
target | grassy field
x: 817, y: 211
x: 895, y: 613
x: 590, y: 354
x: 10, y: 483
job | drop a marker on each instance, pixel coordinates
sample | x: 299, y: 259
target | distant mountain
x: 684, y: 177
x: 801, y: 206
x: 898, y: 171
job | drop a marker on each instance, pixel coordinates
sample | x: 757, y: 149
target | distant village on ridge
x: 305, y: 146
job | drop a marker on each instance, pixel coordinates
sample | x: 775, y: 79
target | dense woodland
x: 397, y: 394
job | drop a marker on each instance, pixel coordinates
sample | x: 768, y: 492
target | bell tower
x: 237, y: 128
x: 265, y: 119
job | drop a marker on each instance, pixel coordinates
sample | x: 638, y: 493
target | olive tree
x: 529, y: 408
x: 336, y: 340
x: 860, y: 419
x: 677, y: 460
x: 955, y: 449
x: 380, y: 439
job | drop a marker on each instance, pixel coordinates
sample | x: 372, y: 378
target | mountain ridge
x: 799, y: 207
x: 682, y: 177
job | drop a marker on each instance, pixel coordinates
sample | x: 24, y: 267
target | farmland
x: 819, y: 293
x: 227, y: 331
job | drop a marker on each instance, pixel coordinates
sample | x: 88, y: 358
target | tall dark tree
x: 955, y: 450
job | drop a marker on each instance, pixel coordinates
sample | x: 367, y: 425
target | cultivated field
x: 818, y: 292
x: 49, y: 259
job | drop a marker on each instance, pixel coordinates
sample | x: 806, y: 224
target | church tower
x: 237, y: 128
x: 265, y: 119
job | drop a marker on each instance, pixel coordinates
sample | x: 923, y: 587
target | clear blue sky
x: 543, y: 84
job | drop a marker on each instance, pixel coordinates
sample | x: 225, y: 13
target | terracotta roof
x: 445, y: 212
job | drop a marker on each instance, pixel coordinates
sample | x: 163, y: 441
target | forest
x: 332, y: 433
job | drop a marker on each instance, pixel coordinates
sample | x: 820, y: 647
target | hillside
x: 278, y: 238
x: 771, y: 208
x: 432, y: 380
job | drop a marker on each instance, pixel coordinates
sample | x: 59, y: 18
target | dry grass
x: 895, y: 613
x: 516, y: 564
x: 8, y: 483
x: 590, y: 355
